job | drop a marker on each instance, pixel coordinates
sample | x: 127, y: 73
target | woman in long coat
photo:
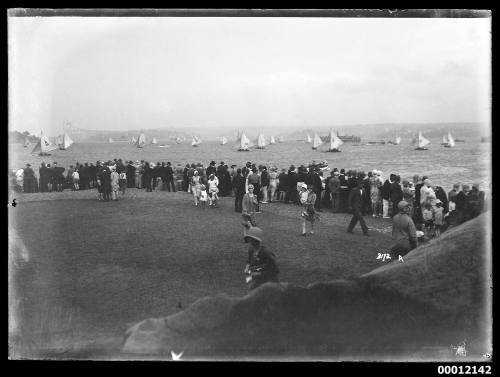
x: 115, y: 183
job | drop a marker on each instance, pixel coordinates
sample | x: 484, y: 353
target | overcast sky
x: 227, y: 73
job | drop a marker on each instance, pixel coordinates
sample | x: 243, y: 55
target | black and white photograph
x: 250, y: 185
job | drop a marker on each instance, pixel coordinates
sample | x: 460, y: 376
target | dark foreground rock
x: 437, y: 297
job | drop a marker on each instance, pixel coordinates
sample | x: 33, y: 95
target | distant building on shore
x: 344, y: 138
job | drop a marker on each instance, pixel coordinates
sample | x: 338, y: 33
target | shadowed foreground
x: 416, y: 309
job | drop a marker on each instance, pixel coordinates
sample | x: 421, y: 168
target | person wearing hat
x: 396, y: 194
x: 438, y: 217
x: 115, y: 183
x: 254, y: 179
x: 29, y: 179
x: 308, y: 214
x: 273, y: 183
x: 403, y: 231
x: 334, y: 185
x: 475, y: 201
x: 261, y: 264
x: 356, y: 205
x: 249, y: 205
x: 291, y: 195
x: 196, y: 186
x: 238, y: 184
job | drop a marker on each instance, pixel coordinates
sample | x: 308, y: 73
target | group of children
x: 211, y: 196
x: 434, y: 218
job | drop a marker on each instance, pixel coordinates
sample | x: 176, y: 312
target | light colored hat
x: 420, y: 233
x: 195, y: 172
x: 336, y: 172
x: 304, y: 186
x: 255, y: 233
x: 438, y: 201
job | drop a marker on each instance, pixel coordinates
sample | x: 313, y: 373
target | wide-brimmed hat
x: 304, y: 186
x: 255, y: 233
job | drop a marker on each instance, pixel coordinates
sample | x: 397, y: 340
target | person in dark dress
x: 261, y: 264
x: 396, y: 194
x: 185, y: 179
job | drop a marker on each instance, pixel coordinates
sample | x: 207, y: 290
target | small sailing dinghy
x: 223, y: 141
x: 451, y: 141
x: 66, y: 142
x: 154, y: 141
x: 44, y: 146
x: 261, y: 142
x: 272, y: 141
x: 244, y: 143
x: 317, y: 141
x: 422, y: 142
x: 141, y: 142
x: 196, y: 141
x: 335, y: 143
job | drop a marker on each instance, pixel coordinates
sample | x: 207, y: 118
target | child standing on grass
x: 307, y: 199
x: 203, y: 196
x: 76, y: 180
x: 438, y: 218
x: 123, y: 181
x: 428, y: 217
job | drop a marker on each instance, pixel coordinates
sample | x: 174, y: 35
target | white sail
x: 451, y: 141
x: 261, y: 141
x: 422, y: 141
x: 309, y: 140
x: 244, y: 143
x: 44, y: 145
x: 196, y: 141
x: 110, y: 140
x: 141, y: 141
x: 398, y: 140
x: 59, y: 140
x: 223, y: 141
x: 317, y: 141
x: 133, y: 140
x: 154, y: 141
x: 335, y: 141
x: 445, y: 140
x: 272, y: 141
x: 66, y: 142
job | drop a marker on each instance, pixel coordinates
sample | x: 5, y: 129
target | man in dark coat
x: 185, y: 179
x: 282, y: 185
x: 43, y: 181
x: 105, y: 179
x: 317, y: 185
x: 291, y: 195
x: 261, y: 264
x: 367, y: 207
x: 356, y: 205
x: 344, y: 192
x: 29, y: 179
x: 211, y: 169
x: 461, y: 204
x: 385, y: 193
x: 475, y: 201
x: 130, y: 175
x: 417, y: 210
x: 169, y: 172
x: 396, y: 194
x: 239, y: 190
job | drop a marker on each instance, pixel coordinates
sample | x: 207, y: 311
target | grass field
x: 95, y: 267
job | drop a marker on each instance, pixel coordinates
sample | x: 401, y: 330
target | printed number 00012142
x: 464, y: 369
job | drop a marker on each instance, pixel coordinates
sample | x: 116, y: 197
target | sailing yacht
x: 110, y: 140
x: 141, y: 142
x: 451, y: 141
x: 66, y: 142
x: 309, y: 140
x: 396, y: 141
x: 154, y: 141
x: 317, y: 141
x: 445, y: 140
x: 421, y: 142
x: 223, y: 141
x: 133, y: 140
x: 44, y: 146
x: 244, y: 143
x: 261, y: 142
x: 272, y: 141
x: 196, y: 141
x: 335, y: 142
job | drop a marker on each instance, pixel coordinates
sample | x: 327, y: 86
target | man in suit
x: 317, y: 185
x: 239, y: 190
x: 356, y: 205
x: 396, y: 194
x: 169, y: 173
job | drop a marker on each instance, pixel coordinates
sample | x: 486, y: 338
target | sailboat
x: 421, y: 142
x: 261, y: 142
x: 445, y: 140
x: 196, y: 141
x: 110, y: 140
x: 133, y: 140
x: 335, y: 142
x: 59, y: 140
x: 317, y: 141
x: 396, y: 141
x: 154, y: 141
x: 44, y: 146
x: 141, y: 142
x: 451, y: 141
x: 223, y: 141
x: 244, y: 143
x: 26, y: 143
x: 272, y: 141
x: 309, y: 140
x: 66, y: 142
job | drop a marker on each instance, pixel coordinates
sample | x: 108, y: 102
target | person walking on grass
x: 249, y: 205
x: 261, y: 264
x: 355, y: 201
x: 196, y: 186
x: 308, y: 214
x: 213, y: 183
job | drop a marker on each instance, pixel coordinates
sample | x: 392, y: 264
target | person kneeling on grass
x: 261, y: 264
x: 307, y: 199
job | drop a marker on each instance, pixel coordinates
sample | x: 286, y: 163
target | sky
x: 233, y: 73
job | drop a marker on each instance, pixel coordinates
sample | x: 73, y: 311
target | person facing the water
x: 403, y: 231
x: 261, y: 264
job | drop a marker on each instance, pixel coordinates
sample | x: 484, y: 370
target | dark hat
x: 222, y: 162
x: 28, y: 165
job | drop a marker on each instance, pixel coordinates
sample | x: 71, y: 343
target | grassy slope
x: 97, y: 267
